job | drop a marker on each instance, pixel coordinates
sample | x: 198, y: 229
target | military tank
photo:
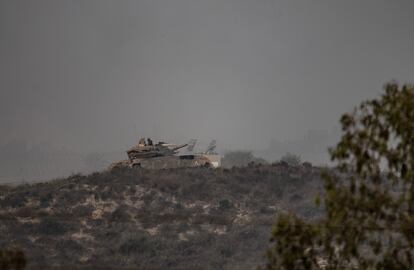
x: 163, y: 155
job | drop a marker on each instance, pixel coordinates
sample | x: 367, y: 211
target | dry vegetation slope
x: 195, y: 218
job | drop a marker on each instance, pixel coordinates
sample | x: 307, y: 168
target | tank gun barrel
x: 179, y: 146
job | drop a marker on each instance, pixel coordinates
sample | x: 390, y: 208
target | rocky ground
x: 196, y: 218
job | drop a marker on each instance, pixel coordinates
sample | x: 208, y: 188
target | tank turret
x: 145, y: 150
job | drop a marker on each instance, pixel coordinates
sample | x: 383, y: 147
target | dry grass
x: 194, y: 218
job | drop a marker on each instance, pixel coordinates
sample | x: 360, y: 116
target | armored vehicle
x: 163, y: 155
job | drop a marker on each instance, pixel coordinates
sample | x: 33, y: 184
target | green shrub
x: 369, y: 199
x: 50, y: 226
x: 12, y: 260
x: 136, y: 246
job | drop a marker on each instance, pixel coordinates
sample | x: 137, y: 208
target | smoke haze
x: 93, y: 76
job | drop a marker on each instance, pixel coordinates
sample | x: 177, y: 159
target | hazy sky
x: 96, y: 75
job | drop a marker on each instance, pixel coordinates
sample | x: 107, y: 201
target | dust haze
x: 81, y: 81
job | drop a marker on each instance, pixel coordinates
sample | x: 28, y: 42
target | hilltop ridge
x: 193, y: 218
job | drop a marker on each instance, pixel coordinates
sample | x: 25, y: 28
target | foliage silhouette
x: 368, y: 199
x: 291, y: 159
x: 240, y: 159
x: 12, y: 260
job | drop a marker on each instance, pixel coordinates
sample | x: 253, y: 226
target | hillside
x: 195, y: 218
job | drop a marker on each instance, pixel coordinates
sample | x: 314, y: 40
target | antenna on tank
x: 191, y: 145
x: 211, y: 147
